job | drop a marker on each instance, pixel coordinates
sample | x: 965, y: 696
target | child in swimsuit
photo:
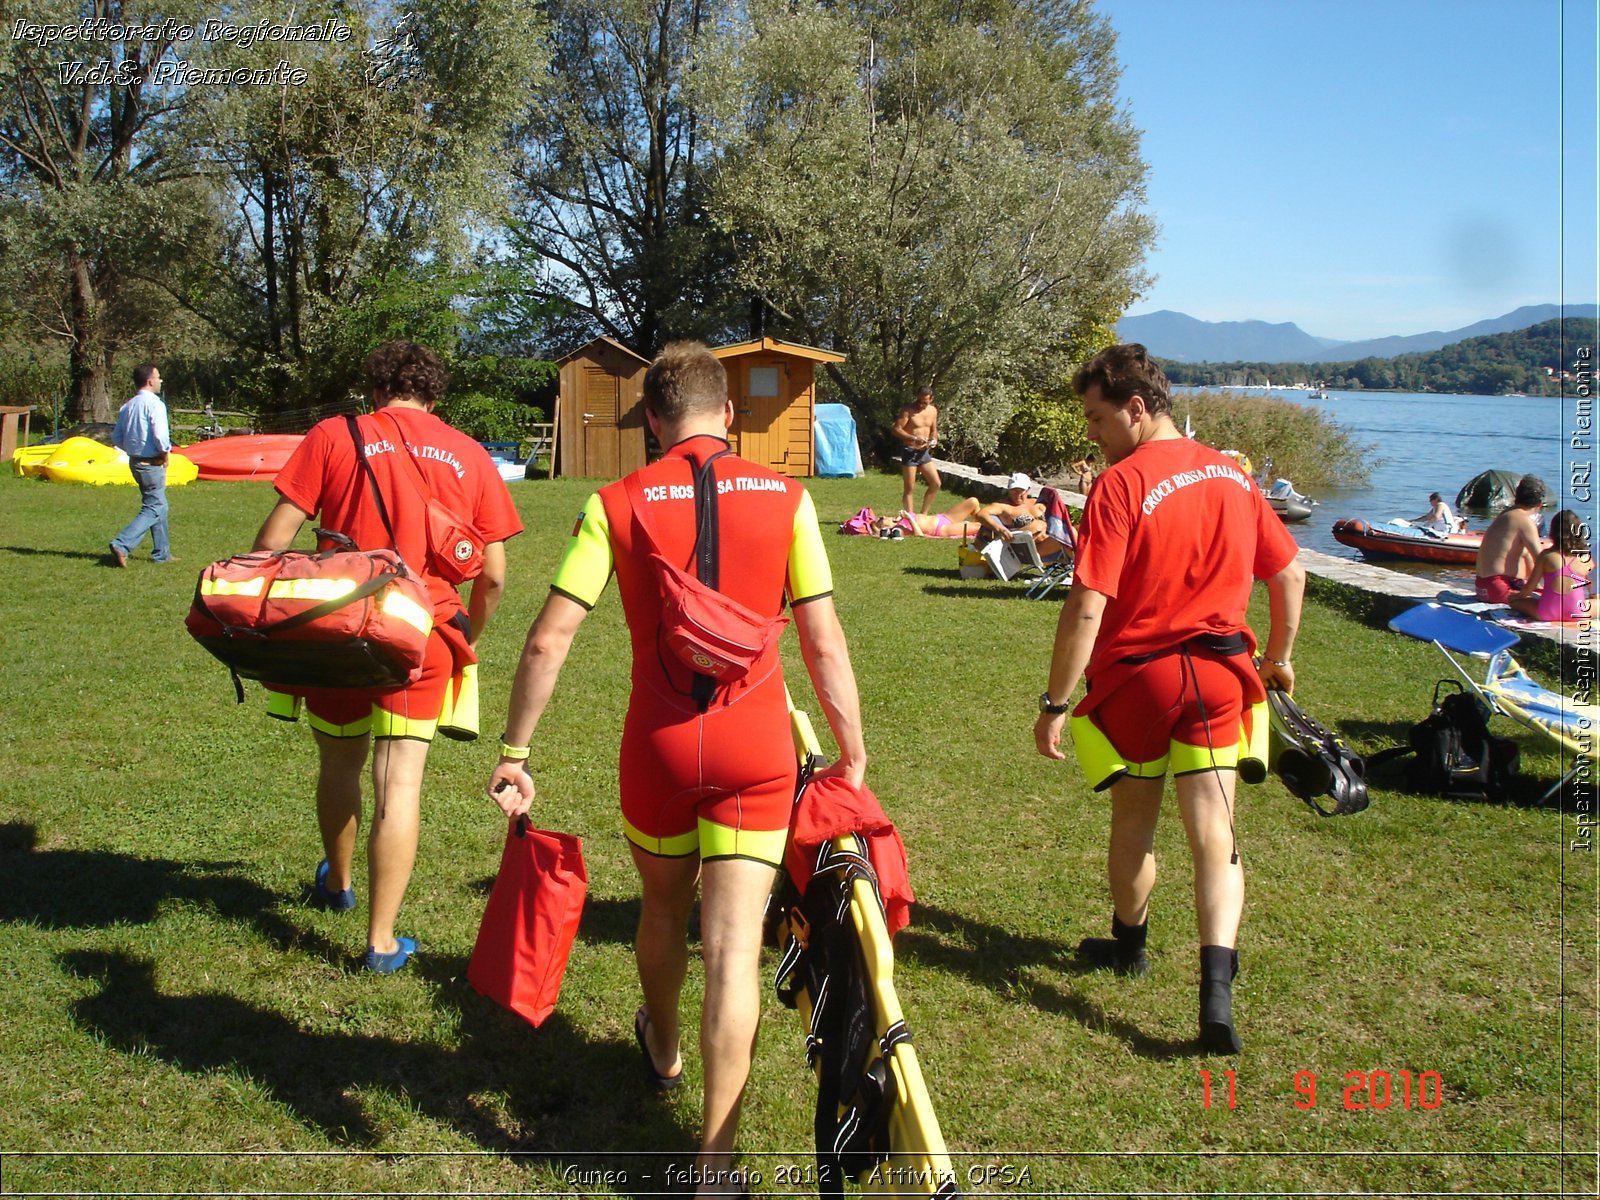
x: 1562, y: 572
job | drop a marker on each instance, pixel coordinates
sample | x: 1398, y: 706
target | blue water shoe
x: 338, y: 901
x: 388, y: 964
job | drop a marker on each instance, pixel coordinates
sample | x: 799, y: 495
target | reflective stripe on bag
x: 232, y: 587
x: 394, y: 602
x: 403, y: 608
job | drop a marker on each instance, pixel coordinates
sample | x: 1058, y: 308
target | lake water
x: 1436, y: 443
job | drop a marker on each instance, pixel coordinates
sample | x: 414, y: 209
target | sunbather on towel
x: 1562, y: 572
x: 955, y: 522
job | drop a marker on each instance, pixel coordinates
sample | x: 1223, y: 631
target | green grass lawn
x: 179, y: 1019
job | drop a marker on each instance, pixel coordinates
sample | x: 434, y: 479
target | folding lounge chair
x: 1055, y: 571
x: 911, y: 1160
x: 1506, y: 688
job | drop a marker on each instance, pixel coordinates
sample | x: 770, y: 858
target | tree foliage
x: 351, y: 190
x: 944, y: 192
x: 98, y: 172
x: 611, y: 169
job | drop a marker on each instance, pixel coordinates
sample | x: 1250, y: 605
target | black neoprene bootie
x: 1123, y: 951
x: 1218, y: 966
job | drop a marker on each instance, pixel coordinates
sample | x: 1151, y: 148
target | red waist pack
x: 531, y: 921
x: 455, y: 551
x: 340, y: 618
x: 710, y: 633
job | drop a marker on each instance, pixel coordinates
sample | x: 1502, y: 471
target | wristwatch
x: 1046, y: 705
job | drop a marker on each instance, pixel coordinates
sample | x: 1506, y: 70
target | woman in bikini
x: 1558, y: 587
x: 954, y: 522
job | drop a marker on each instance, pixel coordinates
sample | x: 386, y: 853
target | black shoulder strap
x: 705, y: 559
x: 707, y: 555
x: 707, y: 531
x: 377, y: 492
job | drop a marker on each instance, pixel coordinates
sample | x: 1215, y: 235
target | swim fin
x: 1312, y: 761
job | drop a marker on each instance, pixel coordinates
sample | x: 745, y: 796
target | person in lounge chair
x: 1017, y: 513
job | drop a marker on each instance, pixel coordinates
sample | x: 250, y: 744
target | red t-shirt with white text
x: 1175, y: 535
x: 324, y: 477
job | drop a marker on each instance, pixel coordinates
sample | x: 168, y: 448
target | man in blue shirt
x: 141, y: 433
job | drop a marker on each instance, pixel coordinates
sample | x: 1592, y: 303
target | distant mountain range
x: 1184, y: 338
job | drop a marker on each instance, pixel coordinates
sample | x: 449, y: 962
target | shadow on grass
x: 994, y: 957
x: 979, y: 591
x: 559, y: 1089
x: 93, y: 889
x: 100, y: 556
x: 610, y: 920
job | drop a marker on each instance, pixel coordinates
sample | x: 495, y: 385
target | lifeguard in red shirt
x: 707, y: 772
x: 325, y: 476
x: 1173, y: 537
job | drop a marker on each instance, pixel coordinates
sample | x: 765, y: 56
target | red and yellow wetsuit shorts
x: 719, y: 784
x: 1185, y: 711
x: 444, y: 700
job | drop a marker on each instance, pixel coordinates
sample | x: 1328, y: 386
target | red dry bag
x: 531, y: 921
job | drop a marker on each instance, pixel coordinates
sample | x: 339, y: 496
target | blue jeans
x: 152, y: 514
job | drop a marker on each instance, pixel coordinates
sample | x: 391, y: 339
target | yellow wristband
x: 520, y: 753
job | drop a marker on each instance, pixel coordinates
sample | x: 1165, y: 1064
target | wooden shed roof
x: 572, y: 354
x: 767, y: 343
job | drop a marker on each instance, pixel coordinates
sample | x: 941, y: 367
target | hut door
x: 757, y: 419
x: 602, y: 409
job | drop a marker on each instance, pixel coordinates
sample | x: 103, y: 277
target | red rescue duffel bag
x: 341, y: 618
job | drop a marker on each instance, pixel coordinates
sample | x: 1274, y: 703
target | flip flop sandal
x: 658, y: 1081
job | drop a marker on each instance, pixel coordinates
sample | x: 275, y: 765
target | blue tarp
x: 838, y: 455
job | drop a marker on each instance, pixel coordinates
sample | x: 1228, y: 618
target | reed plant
x: 179, y: 1019
x: 1304, y: 443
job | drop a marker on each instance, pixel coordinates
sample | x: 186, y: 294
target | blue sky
x: 1364, y: 169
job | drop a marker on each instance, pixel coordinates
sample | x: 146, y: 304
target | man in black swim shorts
x: 917, y: 429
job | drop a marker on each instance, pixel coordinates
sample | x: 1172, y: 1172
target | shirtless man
x: 1511, y: 544
x: 917, y: 429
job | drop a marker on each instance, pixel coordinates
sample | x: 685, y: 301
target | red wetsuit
x: 324, y: 477
x: 720, y: 782
x: 1174, y: 535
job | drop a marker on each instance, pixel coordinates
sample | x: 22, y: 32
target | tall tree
x: 384, y: 154
x: 945, y: 191
x: 612, y: 171
x: 97, y: 172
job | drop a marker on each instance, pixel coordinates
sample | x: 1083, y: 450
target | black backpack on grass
x: 1455, y: 754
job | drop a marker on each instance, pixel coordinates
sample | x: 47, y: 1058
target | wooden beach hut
x: 601, y: 411
x: 773, y: 385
